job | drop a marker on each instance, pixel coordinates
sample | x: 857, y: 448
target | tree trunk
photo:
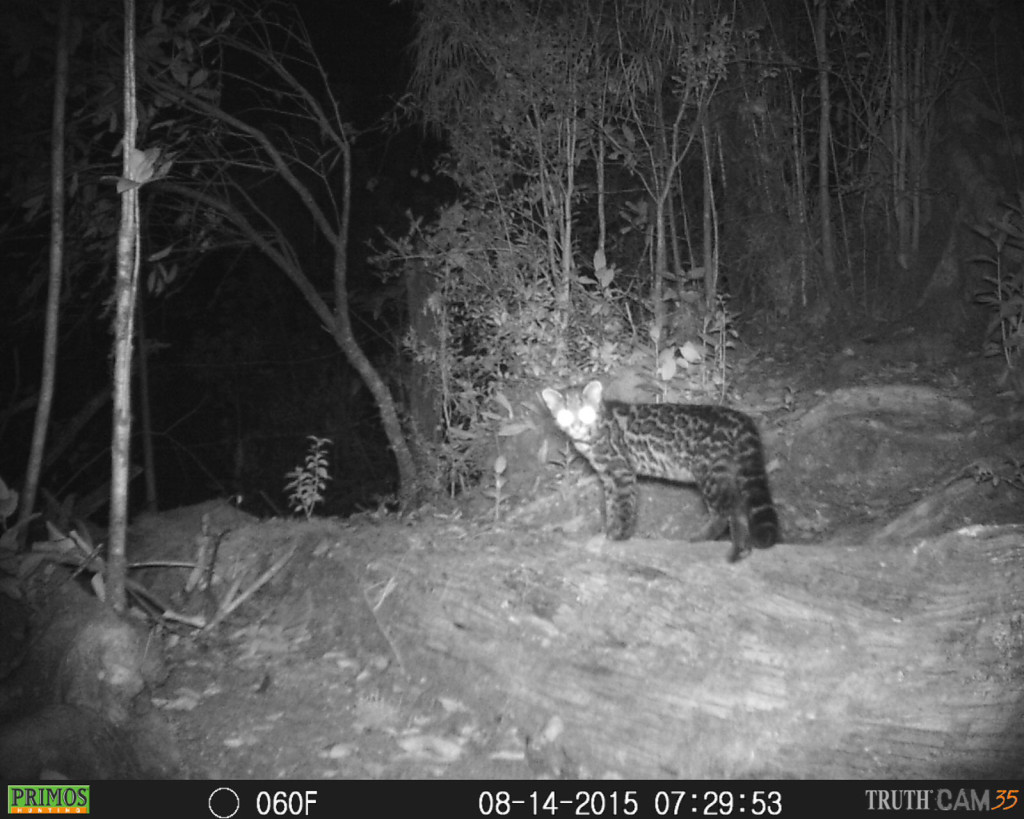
x: 409, y: 488
x: 660, y: 659
x: 146, y: 411
x: 423, y: 400
x: 709, y: 244
x: 828, y: 260
x: 124, y: 327
x: 977, y: 177
x: 408, y: 479
x: 49, y: 374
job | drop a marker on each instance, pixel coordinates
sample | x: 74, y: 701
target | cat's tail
x: 762, y: 519
x: 764, y: 524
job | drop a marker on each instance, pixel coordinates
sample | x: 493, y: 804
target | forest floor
x: 304, y: 681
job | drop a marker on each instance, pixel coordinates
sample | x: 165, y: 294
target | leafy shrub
x: 1005, y: 332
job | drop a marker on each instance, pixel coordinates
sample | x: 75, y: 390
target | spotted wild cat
x: 716, y: 448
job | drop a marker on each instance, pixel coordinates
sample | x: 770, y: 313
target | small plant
x: 500, y: 465
x: 1005, y: 333
x: 8, y: 504
x: 718, y: 335
x: 308, y: 481
x: 563, y: 460
x: 9, y: 584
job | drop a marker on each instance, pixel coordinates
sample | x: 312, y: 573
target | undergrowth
x: 1004, y: 335
x: 306, y: 483
x: 497, y: 325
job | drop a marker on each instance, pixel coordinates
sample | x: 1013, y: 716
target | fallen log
x: 658, y: 659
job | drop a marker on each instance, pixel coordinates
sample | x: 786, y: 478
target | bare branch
x: 278, y: 251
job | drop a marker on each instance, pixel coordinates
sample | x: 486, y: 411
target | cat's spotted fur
x: 716, y: 448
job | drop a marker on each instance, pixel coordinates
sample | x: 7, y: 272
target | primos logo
x: 47, y: 799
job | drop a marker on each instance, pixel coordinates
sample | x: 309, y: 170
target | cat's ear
x: 554, y: 400
x: 592, y: 393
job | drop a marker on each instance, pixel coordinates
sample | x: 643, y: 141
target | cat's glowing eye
x: 587, y: 415
x: 564, y: 417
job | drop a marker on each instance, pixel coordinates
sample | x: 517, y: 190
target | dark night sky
x: 364, y: 43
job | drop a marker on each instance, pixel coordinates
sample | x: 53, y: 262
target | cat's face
x: 576, y: 411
